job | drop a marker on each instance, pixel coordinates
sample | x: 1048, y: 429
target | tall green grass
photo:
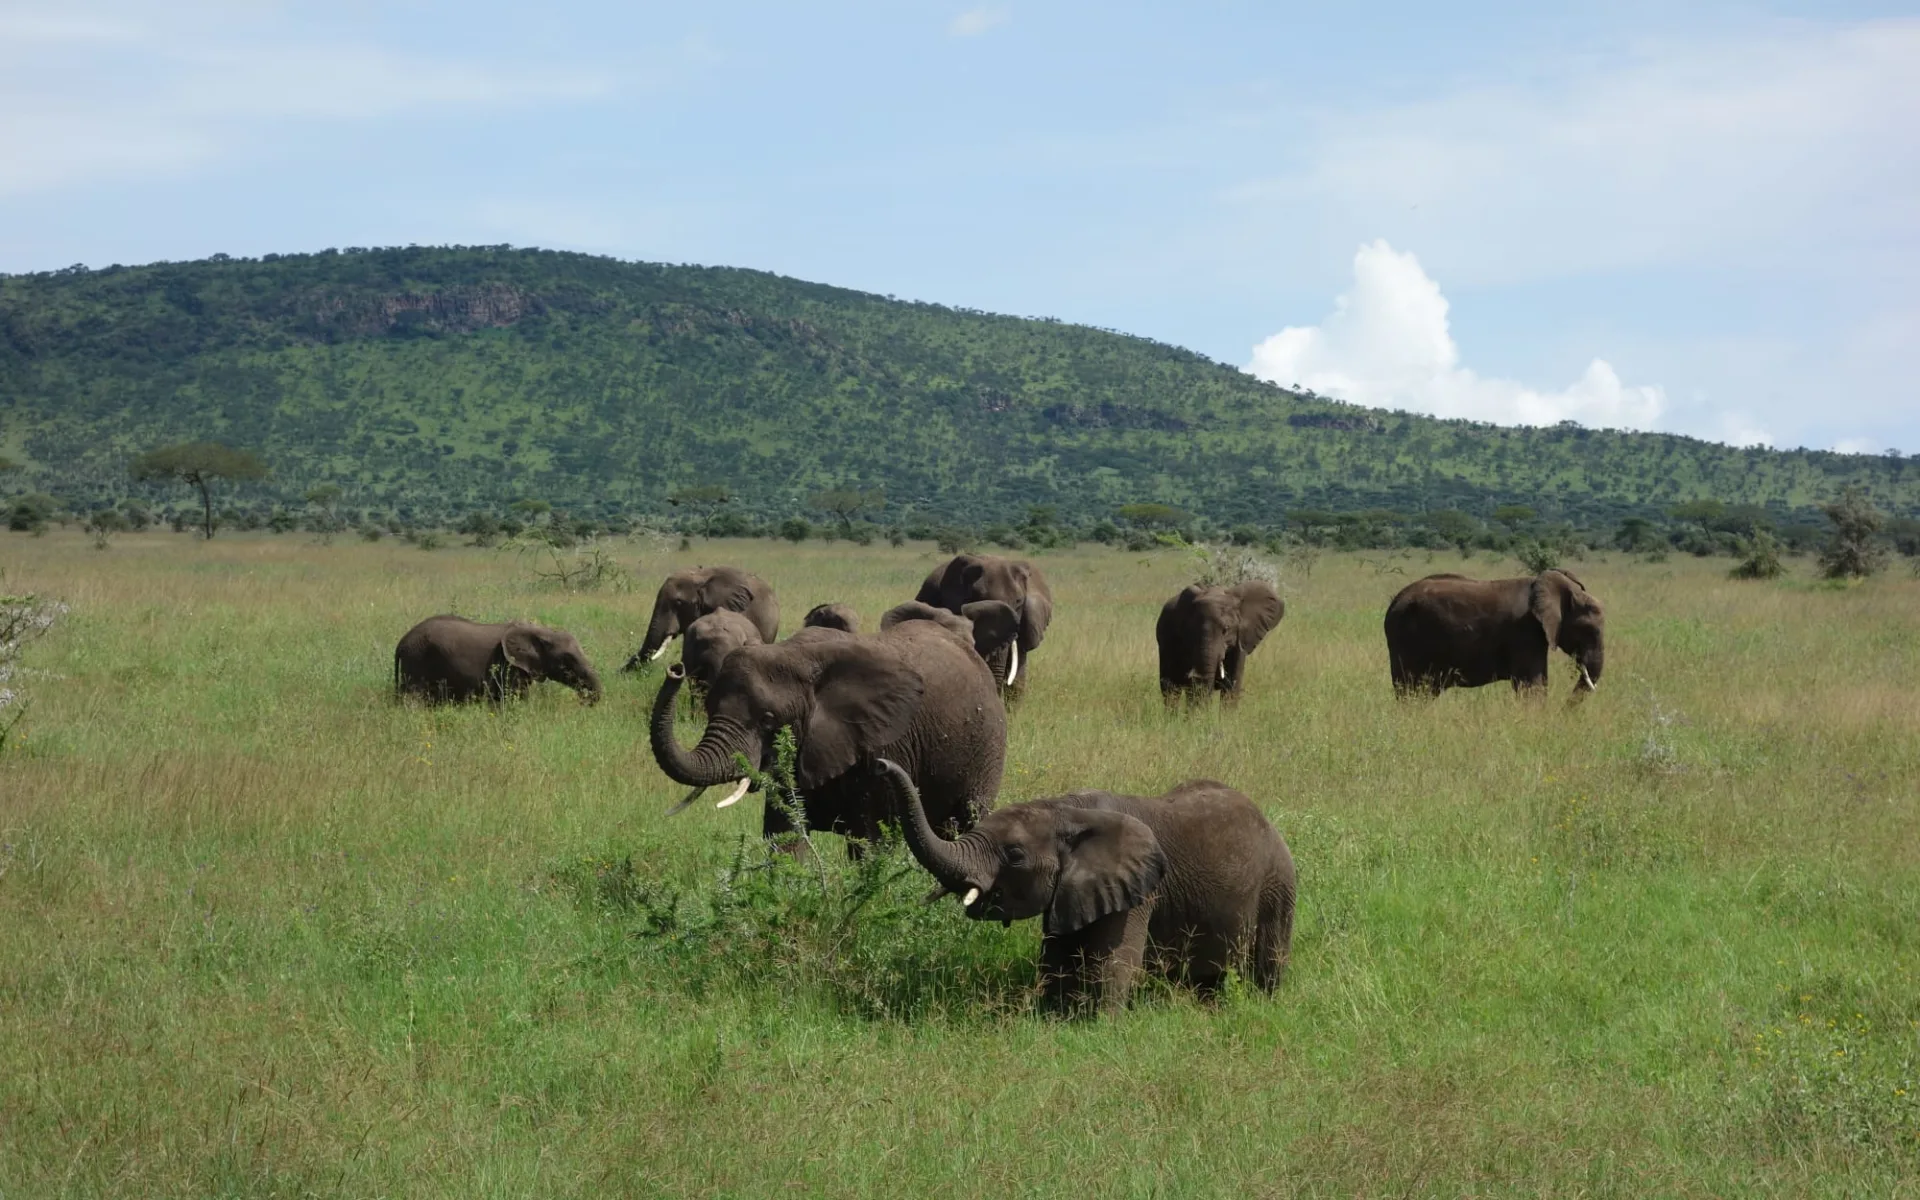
x: 263, y: 932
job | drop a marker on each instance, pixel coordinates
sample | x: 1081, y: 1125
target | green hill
x: 429, y: 382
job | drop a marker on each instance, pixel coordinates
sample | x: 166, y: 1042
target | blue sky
x: 1699, y: 221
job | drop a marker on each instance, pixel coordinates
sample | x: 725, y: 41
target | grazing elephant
x: 967, y: 578
x: 831, y: 616
x: 449, y: 658
x: 688, y: 595
x: 1206, y: 634
x: 917, y: 692
x: 1450, y: 631
x: 1188, y: 884
x: 710, y: 639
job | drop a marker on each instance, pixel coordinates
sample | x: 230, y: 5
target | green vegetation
x: 429, y: 383
x: 263, y: 932
x: 1853, y: 550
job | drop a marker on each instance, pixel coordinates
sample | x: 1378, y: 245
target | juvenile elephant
x: 1187, y: 884
x: 831, y: 616
x: 1206, y: 634
x: 967, y: 578
x: 917, y: 692
x: 449, y: 658
x: 1450, y: 631
x: 688, y: 595
x: 710, y: 639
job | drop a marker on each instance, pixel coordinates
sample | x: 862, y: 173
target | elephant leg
x: 1093, y: 969
x: 1273, y: 938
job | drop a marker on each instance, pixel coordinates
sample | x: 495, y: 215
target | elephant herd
x: 907, y: 725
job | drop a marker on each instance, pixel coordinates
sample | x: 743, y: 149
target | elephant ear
x: 1260, y: 610
x: 523, y: 647
x: 1111, y: 862
x: 864, y: 700
x: 917, y: 610
x: 1036, y: 610
x: 728, y: 590
x: 1548, y: 603
x: 994, y: 625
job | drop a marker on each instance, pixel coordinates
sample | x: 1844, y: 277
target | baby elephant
x: 1189, y: 883
x: 710, y: 639
x: 449, y: 658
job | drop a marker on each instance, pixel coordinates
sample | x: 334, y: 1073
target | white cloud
x: 1387, y: 345
x: 977, y: 21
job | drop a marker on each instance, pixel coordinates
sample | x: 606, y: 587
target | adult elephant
x: 1206, y: 634
x: 688, y: 595
x: 449, y: 658
x: 1451, y: 631
x: 971, y: 578
x: 917, y: 692
x: 1189, y: 884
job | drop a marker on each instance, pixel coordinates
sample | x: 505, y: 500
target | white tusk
x: 659, y: 652
x: 691, y: 796
x: 739, y: 790
x: 1223, y: 672
x: 967, y: 900
x: 1588, y: 679
x: 1013, y: 669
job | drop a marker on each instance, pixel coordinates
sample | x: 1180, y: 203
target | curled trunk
x: 706, y: 765
x: 951, y: 863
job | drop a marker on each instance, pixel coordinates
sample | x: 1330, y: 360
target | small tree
x: 103, y: 524
x: 30, y: 513
x: 796, y: 529
x: 843, y: 504
x: 198, y: 464
x: 704, y: 502
x: 325, y: 501
x: 1762, y: 559
x: 1853, y: 548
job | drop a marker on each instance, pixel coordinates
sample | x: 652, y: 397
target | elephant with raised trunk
x: 1206, y: 634
x: 970, y: 578
x: 688, y: 595
x: 917, y: 692
x: 1188, y: 885
x: 451, y: 659
x: 1450, y: 631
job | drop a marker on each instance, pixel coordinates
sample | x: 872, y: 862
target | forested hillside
x: 430, y: 382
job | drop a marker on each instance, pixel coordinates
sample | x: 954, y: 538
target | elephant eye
x: 1015, y: 856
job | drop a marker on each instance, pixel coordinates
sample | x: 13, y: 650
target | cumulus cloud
x: 976, y: 21
x: 1387, y: 345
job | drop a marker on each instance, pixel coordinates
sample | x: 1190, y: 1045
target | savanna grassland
x: 264, y: 932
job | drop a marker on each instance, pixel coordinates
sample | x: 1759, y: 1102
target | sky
x: 1693, y: 218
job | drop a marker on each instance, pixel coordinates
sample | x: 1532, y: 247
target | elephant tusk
x: 659, y: 652
x: 1223, y: 671
x: 739, y: 790
x: 690, y: 797
x: 1013, y: 669
x: 967, y: 900
x: 1588, y: 680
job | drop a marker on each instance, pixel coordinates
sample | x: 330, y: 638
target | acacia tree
x: 703, y: 502
x: 198, y: 464
x: 843, y: 504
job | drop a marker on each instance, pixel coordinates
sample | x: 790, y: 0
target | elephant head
x: 1067, y: 864
x: 989, y: 626
x: 1572, y: 621
x: 832, y: 616
x: 682, y: 599
x: 844, y: 697
x: 537, y: 652
x: 971, y: 578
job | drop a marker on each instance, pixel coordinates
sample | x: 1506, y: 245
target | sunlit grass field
x: 264, y: 932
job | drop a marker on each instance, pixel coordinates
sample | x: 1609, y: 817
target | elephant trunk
x: 1591, y: 664
x: 959, y: 866
x: 588, y: 685
x: 706, y: 765
x: 660, y: 630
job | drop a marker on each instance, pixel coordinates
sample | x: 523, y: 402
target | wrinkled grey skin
x: 989, y: 626
x: 449, y: 658
x: 831, y: 616
x: 710, y: 639
x: 1450, y: 631
x: 1206, y: 634
x: 1187, y: 885
x: 916, y: 692
x: 967, y: 578
x: 688, y: 595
